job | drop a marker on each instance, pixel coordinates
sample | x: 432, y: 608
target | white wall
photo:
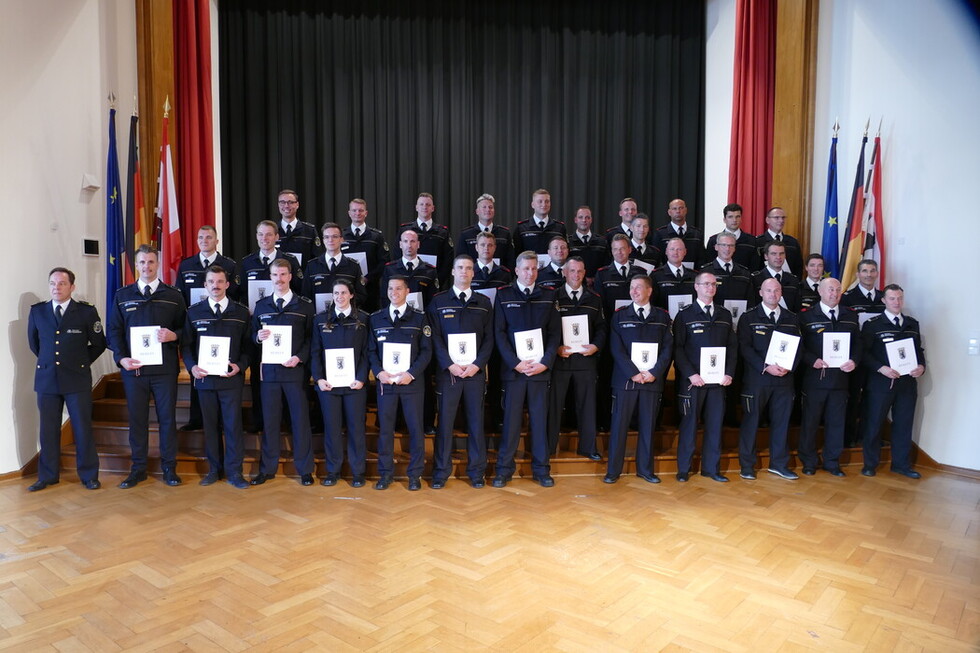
x: 58, y: 61
x: 719, y: 86
x: 916, y: 66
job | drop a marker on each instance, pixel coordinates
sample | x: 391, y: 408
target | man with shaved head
x: 828, y: 329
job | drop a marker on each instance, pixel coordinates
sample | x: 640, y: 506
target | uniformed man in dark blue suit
x: 775, y: 222
x: 810, y: 285
x: 295, y: 236
x: 191, y: 275
x: 702, y: 324
x: 219, y: 388
x: 644, y: 248
x: 591, y: 247
x: 746, y: 252
x: 766, y: 384
x: 825, y: 386
x: 637, y: 381
x: 774, y: 255
x: 866, y: 300
x: 66, y: 336
x: 627, y: 211
x: 284, y: 308
x: 552, y: 276
x: 400, y: 348
x: 420, y: 276
x: 678, y: 228
x: 485, y: 211
x: 673, y: 278
x: 889, y: 389
x: 526, y: 367
x: 462, y: 339
x: 360, y: 238
x: 342, y: 326
x: 434, y: 239
x: 536, y: 232
x: 486, y: 273
x: 322, y: 271
x: 577, y: 367
x: 149, y: 303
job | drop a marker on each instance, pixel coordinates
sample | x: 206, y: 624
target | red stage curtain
x: 750, y: 163
x: 194, y: 152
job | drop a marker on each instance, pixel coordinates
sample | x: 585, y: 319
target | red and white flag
x: 171, y: 250
x: 872, y: 220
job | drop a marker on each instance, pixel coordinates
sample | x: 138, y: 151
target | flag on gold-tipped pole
x: 167, y: 229
x: 874, y: 235
x: 137, y: 230
x: 853, y: 248
x: 114, y: 242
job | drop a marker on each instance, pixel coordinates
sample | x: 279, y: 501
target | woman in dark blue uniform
x: 341, y: 327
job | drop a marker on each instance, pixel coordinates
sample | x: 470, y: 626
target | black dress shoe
x: 650, y: 478
x: 783, y: 472
x: 835, y: 471
x: 910, y: 473
x: 238, y: 482
x: 610, y: 478
x: 132, y: 480
x: 358, y: 481
x: 591, y: 456
x: 383, y: 483
x: 868, y: 471
x: 682, y: 477
x: 261, y: 478
x: 438, y: 484
x: 40, y: 485
x: 477, y: 483
x: 414, y: 483
x: 430, y: 430
x: 747, y: 474
x: 329, y: 480
x: 210, y: 479
x: 715, y: 476
x: 500, y: 481
x: 92, y: 484
x: 192, y: 426
x: 809, y: 471
x: 306, y: 479
x: 170, y: 477
x: 544, y: 480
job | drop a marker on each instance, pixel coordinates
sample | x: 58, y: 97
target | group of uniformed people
x: 512, y: 320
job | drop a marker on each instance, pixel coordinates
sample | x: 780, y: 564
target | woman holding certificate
x: 339, y: 363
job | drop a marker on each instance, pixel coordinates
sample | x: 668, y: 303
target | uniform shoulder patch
x: 427, y: 331
x: 97, y: 327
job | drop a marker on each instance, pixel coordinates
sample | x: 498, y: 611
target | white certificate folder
x: 644, y: 355
x: 901, y: 355
x: 782, y: 349
x: 213, y: 355
x: 339, y: 366
x: 712, y: 368
x: 144, y: 346
x: 462, y: 348
x: 575, y: 332
x: 836, y: 348
x: 529, y: 345
x: 278, y: 347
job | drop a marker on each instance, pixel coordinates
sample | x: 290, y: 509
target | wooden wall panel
x: 796, y: 54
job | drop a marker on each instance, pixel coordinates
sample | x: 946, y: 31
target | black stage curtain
x: 383, y: 99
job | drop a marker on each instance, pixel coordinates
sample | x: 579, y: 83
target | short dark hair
x: 288, y: 191
x: 71, y: 275
x: 216, y: 269
x: 642, y: 216
x: 893, y: 286
x: 282, y: 263
x: 331, y: 225
x: 557, y: 237
x: 771, y: 244
x: 731, y: 208
x: 868, y: 261
x: 465, y: 257
x: 815, y: 256
x: 146, y: 249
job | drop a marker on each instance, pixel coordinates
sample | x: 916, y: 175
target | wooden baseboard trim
x: 925, y: 460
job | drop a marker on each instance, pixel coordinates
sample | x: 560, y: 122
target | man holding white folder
x: 144, y: 326
x: 527, y: 333
x: 768, y: 340
x: 281, y: 329
x: 704, y: 358
x: 831, y: 351
x: 895, y: 360
x: 215, y: 351
x: 462, y: 327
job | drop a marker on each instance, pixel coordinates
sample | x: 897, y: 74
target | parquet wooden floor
x: 880, y: 564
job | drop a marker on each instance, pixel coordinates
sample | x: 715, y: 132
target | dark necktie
x: 680, y: 274
x: 541, y: 226
x: 409, y: 266
x: 397, y: 314
x: 575, y: 296
x: 871, y: 297
x: 57, y: 315
x: 561, y: 274
x: 289, y: 230
x: 898, y: 322
x: 779, y: 238
x: 680, y: 232
x: 486, y: 230
x: 486, y: 270
x: 527, y: 292
x: 778, y: 277
x: 585, y: 240
x: 207, y: 263
x: 622, y: 270
x: 772, y: 316
x: 640, y: 250
x: 424, y: 227
x: 814, y: 287
x: 146, y: 291
x: 639, y: 313
x: 707, y: 309
x: 217, y: 310
x: 333, y: 263
x: 833, y: 318
x: 728, y: 268
x: 279, y: 304
x: 462, y: 297
x: 265, y: 261
x: 341, y: 317
x: 357, y: 232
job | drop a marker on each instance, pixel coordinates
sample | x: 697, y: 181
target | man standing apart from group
x: 219, y: 391
x: 527, y: 333
x: 66, y: 336
x: 149, y: 303
x: 462, y: 327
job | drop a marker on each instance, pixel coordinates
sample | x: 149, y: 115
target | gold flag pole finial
x: 112, y: 100
x: 836, y: 126
x: 166, y: 108
x: 866, y: 125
